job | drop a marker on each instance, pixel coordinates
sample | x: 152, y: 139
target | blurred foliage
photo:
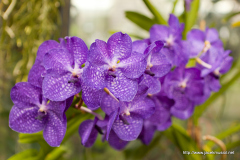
x: 26, y: 24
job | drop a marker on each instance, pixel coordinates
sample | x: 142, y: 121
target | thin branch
x: 82, y: 108
x: 9, y: 9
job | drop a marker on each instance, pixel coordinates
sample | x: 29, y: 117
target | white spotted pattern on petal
x: 128, y: 132
x: 55, y: 129
x: 87, y: 133
x: 122, y: 87
x: 23, y: 120
x: 58, y: 89
x: 23, y: 94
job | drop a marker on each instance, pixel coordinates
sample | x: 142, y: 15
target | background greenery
x: 24, y: 25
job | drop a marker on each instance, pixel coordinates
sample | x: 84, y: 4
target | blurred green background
x: 24, y: 25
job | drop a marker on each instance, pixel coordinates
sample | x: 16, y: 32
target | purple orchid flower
x: 157, y: 65
x: 126, y: 118
x: 64, y: 71
x: 36, y: 74
x: 202, y: 42
x: 32, y: 113
x: 89, y: 129
x: 174, y: 48
x: 160, y: 120
x: 113, y: 65
x: 186, y: 87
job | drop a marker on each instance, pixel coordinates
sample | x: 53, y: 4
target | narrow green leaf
x: 24, y: 154
x: 157, y: 15
x: 56, y: 153
x: 30, y: 138
x: 174, y: 5
x: 200, y: 109
x: 229, y: 16
x: 73, y: 124
x: 224, y: 134
x: 141, y: 151
x: 140, y: 20
x: 190, y: 17
x: 230, y: 146
x: 184, y: 142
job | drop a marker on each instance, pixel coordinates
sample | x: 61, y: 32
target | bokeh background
x: 24, y: 25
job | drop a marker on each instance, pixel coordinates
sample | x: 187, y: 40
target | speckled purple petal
x: 116, y: 142
x: 162, y: 113
x: 226, y: 63
x: 111, y: 121
x: 45, y: 47
x: 98, y: 53
x: 183, y: 108
x: 144, y: 108
x: 119, y: 46
x: 55, y: 129
x: 147, y: 133
x: 154, y: 47
x: 24, y: 120
x: 128, y: 132
x: 69, y: 103
x: 139, y: 46
x: 94, y: 76
x: 152, y: 83
x: 58, y: 89
x: 174, y: 24
x: 165, y: 125
x: 212, y: 82
x: 161, y: 65
x: 25, y: 95
x: 57, y: 108
x: 35, y: 76
x: 134, y: 66
x: 158, y: 32
x: 211, y: 34
x: 92, y: 96
x: 108, y: 104
x: 58, y: 61
x: 195, y: 90
x: 79, y: 49
x: 122, y: 87
x: 196, y: 40
x: 88, y: 133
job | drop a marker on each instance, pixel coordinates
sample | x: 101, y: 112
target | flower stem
x: 82, y: 108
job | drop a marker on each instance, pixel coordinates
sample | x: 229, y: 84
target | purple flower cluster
x: 139, y: 85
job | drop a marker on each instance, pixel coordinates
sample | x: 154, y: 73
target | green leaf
x: 190, y: 17
x: 140, y: 20
x: 174, y: 5
x: 141, y: 151
x: 73, y: 124
x: 200, y: 109
x: 180, y: 138
x: 224, y: 134
x: 230, y: 146
x: 56, y: 153
x: 24, y: 154
x: 157, y: 15
x: 229, y: 16
x: 30, y: 138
